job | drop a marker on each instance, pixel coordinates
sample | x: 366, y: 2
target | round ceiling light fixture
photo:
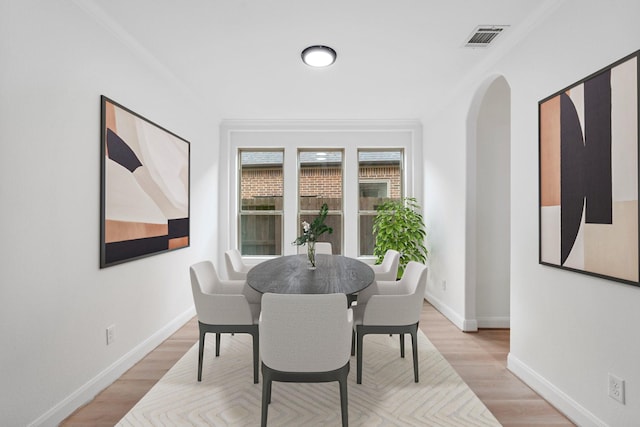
x: 319, y: 56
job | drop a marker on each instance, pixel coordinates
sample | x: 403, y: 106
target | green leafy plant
x: 312, y: 231
x: 399, y: 225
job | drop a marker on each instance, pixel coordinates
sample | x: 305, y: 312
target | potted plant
x: 399, y: 225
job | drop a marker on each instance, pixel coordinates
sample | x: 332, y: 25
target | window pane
x: 261, y: 234
x: 261, y: 189
x: 367, y: 239
x: 379, y: 180
x: 373, y: 189
x: 320, y: 180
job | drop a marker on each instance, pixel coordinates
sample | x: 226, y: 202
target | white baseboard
x: 565, y: 404
x: 84, y: 394
x: 470, y: 325
x: 494, y: 322
x: 466, y: 325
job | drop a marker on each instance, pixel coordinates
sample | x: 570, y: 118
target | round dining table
x: 292, y: 274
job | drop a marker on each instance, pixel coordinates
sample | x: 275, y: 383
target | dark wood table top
x: 291, y: 275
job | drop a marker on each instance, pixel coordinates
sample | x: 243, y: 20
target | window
x: 376, y: 189
x: 261, y: 198
x: 356, y: 153
x: 320, y: 181
x: 379, y: 179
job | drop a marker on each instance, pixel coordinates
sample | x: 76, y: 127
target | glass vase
x: 311, y: 253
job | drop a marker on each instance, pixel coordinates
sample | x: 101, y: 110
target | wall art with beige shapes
x: 588, y: 141
x: 144, y: 187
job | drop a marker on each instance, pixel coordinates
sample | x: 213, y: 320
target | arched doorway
x: 488, y: 207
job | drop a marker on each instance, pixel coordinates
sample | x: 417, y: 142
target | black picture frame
x: 588, y: 174
x: 144, y: 187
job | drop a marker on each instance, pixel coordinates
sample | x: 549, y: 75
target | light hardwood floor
x: 479, y: 358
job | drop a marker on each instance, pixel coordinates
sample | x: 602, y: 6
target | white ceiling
x: 396, y: 58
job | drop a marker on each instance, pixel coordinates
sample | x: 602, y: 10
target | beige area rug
x: 387, y: 396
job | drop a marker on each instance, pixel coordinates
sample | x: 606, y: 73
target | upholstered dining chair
x: 236, y: 268
x: 388, y: 269
x: 305, y: 338
x: 385, y: 271
x: 391, y: 308
x: 224, y: 306
x: 321, y: 248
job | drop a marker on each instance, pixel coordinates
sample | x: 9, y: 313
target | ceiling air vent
x: 483, y: 35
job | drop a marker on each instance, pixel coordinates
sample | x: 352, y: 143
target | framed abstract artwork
x: 588, y: 172
x: 144, y: 187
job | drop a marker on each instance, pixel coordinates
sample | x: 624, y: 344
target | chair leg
x: 351, y: 298
x: 359, y: 355
x: 266, y: 387
x: 414, y: 344
x: 200, y: 354
x: 344, y: 407
x: 401, y: 344
x: 256, y: 357
x: 353, y: 343
x: 217, y: 344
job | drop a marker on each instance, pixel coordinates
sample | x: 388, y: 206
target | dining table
x: 293, y: 274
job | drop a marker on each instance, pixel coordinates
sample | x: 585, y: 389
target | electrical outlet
x: 616, y: 388
x: 111, y: 334
x: 444, y: 285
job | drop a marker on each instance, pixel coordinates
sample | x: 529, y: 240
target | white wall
x: 55, y: 302
x: 568, y: 331
x: 467, y: 204
x: 444, y: 206
x: 492, y: 202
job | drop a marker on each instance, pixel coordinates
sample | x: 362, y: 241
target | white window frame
x: 332, y: 212
x: 240, y: 212
x: 349, y: 136
x: 362, y: 213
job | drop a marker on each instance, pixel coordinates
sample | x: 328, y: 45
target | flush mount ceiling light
x: 318, y: 56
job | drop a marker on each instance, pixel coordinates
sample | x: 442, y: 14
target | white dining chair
x: 224, y: 306
x: 305, y: 338
x: 321, y: 248
x: 388, y: 269
x: 236, y: 268
x: 391, y: 308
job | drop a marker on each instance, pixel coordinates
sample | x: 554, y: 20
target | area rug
x: 388, y: 396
